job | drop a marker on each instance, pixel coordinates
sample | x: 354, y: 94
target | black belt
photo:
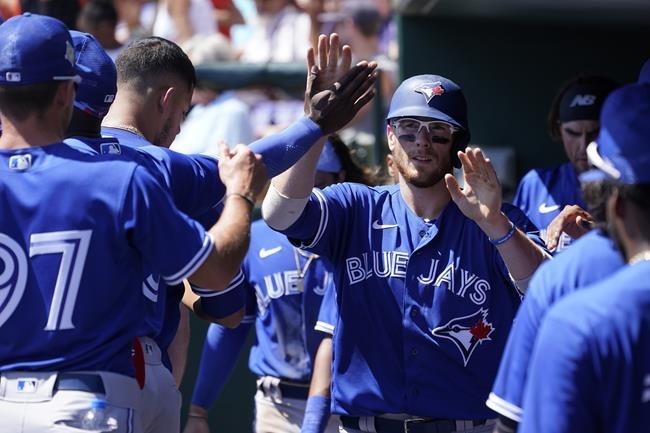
x: 295, y: 390
x: 411, y: 425
x: 86, y: 382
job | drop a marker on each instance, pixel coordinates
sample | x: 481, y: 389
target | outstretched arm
x: 288, y: 193
x: 480, y: 200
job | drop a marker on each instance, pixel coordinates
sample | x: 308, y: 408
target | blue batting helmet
x: 434, y: 97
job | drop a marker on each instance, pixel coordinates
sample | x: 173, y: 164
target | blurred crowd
x: 247, y: 31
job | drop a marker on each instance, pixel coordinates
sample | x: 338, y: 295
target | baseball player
x: 423, y: 270
x: 192, y: 182
x: 285, y: 288
x: 92, y: 100
x: 77, y: 230
x: 590, y: 368
x: 573, y: 120
x: 590, y: 259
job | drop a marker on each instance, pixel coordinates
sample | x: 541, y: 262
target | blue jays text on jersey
x: 543, y: 193
x: 590, y: 259
x: 590, y: 369
x: 286, y: 290
x: 424, y: 307
x: 73, y: 257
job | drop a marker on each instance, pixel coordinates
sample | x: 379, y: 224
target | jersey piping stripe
x: 150, y: 289
x: 194, y: 263
x: 19, y: 365
x: 324, y: 217
x: 504, y: 407
x: 324, y: 327
x: 206, y: 293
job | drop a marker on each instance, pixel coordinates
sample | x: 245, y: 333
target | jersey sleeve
x: 522, y: 194
x: 172, y: 244
x: 225, y: 302
x: 193, y: 179
x: 561, y: 393
x: 507, y: 393
x: 323, y: 226
x: 328, y: 313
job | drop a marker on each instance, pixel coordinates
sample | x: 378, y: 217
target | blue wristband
x: 505, y: 238
x: 317, y: 414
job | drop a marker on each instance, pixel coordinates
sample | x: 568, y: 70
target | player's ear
x: 166, y: 98
x: 390, y: 135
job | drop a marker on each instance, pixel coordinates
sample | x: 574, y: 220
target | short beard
x: 424, y: 181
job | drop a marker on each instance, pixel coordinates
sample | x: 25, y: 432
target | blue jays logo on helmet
x: 466, y: 332
x: 431, y: 90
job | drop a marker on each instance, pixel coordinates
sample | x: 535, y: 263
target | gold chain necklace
x: 128, y: 128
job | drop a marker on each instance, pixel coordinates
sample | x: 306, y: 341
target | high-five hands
x: 480, y: 199
x: 335, y: 92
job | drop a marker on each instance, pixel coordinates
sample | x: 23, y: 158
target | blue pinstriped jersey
x: 75, y: 232
x: 424, y: 307
x: 543, y: 193
x: 590, y: 368
x: 590, y: 259
x: 283, y: 305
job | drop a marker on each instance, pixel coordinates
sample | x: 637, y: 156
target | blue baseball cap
x: 329, y: 160
x: 622, y: 149
x: 35, y: 49
x: 98, y: 86
x: 644, y: 75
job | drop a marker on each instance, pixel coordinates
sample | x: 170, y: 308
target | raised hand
x: 573, y: 220
x: 480, y: 199
x: 241, y: 171
x: 335, y: 92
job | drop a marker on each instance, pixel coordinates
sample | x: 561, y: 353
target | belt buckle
x: 408, y: 421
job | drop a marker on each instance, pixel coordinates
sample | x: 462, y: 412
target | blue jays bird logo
x: 431, y: 90
x: 466, y: 332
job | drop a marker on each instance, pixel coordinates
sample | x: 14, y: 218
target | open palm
x: 480, y: 199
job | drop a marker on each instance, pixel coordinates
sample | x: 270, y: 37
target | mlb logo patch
x: 27, y: 386
x: 13, y: 77
x: 111, y: 149
x: 109, y: 98
x: 20, y: 162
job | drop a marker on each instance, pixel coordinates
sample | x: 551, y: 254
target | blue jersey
x: 590, y: 259
x: 283, y: 304
x: 590, y: 368
x: 543, y: 193
x: 424, y: 307
x: 195, y: 188
x: 76, y: 230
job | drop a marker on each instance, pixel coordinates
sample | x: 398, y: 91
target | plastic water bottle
x: 95, y: 419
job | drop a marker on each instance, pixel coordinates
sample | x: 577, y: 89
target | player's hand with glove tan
x: 573, y: 220
x: 241, y: 171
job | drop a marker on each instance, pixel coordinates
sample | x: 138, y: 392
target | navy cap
x: 35, y: 49
x: 622, y: 149
x: 644, y: 75
x: 329, y: 160
x: 98, y: 86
